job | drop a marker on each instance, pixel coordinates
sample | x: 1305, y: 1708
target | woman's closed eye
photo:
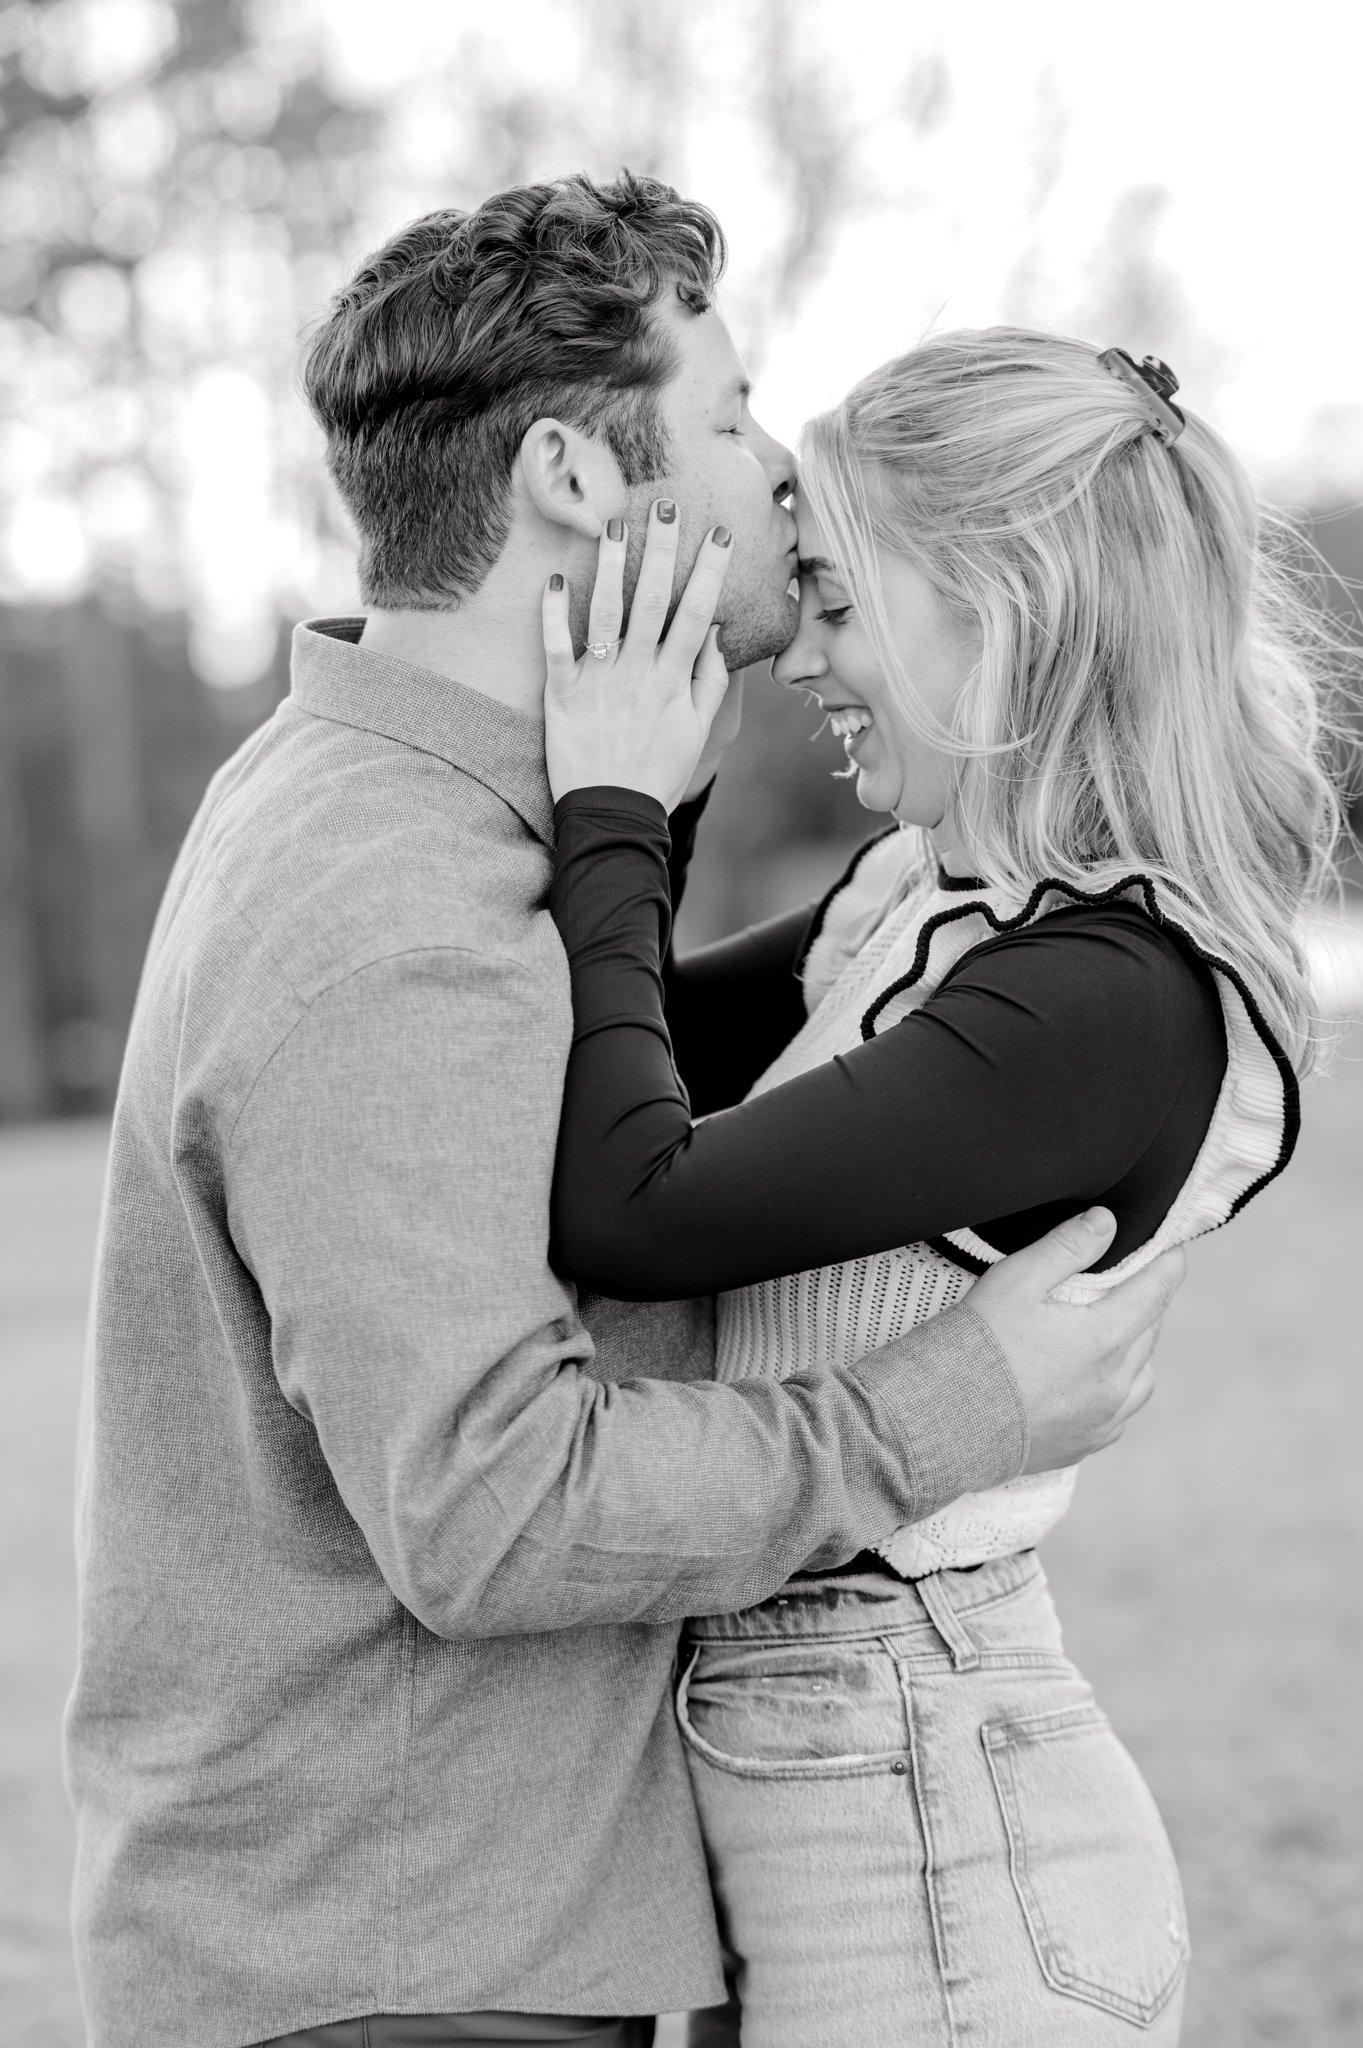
x: 833, y: 614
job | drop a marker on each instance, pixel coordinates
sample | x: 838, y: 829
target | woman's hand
x: 639, y: 716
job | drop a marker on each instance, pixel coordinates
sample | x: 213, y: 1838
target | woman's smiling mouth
x: 849, y: 721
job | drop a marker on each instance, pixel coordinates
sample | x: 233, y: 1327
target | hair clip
x: 1154, y: 382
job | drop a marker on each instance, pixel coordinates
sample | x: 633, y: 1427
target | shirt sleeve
x: 395, y: 1221
x: 731, y: 1007
x: 1036, y: 1080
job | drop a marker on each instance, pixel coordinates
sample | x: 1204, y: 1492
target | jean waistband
x: 868, y: 1603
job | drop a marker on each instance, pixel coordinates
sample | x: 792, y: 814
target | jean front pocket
x: 794, y: 1710
x: 1091, y: 1863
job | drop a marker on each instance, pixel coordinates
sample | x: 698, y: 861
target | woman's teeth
x: 847, y: 725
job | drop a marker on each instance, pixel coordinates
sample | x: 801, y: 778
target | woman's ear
x: 570, y: 479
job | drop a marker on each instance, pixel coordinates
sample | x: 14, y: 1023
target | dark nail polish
x: 615, y: 529
x: 556, y: 581
x: 721, y: 536
x: 667, y: 511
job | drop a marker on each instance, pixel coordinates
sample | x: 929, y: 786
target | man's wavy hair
x: 449, y: 343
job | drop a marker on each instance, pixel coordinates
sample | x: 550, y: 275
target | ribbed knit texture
x: 884, y: 944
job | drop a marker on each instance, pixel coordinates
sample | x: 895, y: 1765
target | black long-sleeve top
x: 1073, y: 1062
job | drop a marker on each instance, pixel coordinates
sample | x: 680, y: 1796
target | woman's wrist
x: 609, y: 897
x: 613, y: 800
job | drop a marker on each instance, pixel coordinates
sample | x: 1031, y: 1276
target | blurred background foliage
x: 181, y: 186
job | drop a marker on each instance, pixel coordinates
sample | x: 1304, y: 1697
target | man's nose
x: 779, y: 464
x: 784, y: 485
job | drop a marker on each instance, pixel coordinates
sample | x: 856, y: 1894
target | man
x: 384, y: 1538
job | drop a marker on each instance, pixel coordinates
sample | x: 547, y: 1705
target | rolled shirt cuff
x: 950, y: 1395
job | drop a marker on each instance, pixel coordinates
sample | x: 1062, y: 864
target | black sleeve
x: 682, y: 826
x: 1076, y: 1061
x: 732, y: 1006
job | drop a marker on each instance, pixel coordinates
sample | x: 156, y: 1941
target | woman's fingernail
x: 556, y: 581
x: 615, y: 529
x: 667, y: 511
x: 1097, y: 1220
x: 721, y: 536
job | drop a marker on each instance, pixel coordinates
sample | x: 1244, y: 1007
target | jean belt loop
x: 684, y: 1681
x: 955, y: 1635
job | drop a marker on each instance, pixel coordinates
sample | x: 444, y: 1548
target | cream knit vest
x: 882, y: 944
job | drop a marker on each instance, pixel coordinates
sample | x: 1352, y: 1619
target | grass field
x: 1210, y: 1576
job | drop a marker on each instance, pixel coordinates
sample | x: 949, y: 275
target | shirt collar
x: 334, y: 677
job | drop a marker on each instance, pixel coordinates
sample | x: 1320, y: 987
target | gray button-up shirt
x: 383, y: 1544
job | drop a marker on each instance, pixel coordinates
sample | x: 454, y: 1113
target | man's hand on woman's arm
x: 1082, y: 1370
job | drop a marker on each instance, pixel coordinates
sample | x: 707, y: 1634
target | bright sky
x: 1253, y: 135
x: 1249, y: 119
x: 1054, y: 112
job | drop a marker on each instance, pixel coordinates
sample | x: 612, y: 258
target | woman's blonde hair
x: 1147, y: 693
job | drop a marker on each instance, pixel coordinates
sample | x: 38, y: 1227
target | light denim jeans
x: 922, y: 1831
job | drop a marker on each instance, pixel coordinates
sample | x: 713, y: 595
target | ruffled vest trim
x: 880, y: 943
x: 1257, y: 1119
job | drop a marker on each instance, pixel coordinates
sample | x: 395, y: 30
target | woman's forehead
x: 808, y: 530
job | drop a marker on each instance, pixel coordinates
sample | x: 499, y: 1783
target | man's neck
x: 491, y: 642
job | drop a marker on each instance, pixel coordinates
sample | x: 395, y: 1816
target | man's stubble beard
x: 755, y: 625
x: 760, y: 625
x: 760, y: 628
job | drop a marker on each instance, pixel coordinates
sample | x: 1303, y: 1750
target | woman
x: 1035, y: 605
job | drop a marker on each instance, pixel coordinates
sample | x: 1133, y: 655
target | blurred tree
x: 166, y: 176
x: 174, y: 181
x: 1130, y: 296
x: 183, y: 182
x: 182, y: 186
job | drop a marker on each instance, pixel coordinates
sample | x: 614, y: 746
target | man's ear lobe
x: 570, y: 479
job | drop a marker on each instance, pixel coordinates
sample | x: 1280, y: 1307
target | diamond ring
x: 599, y: 649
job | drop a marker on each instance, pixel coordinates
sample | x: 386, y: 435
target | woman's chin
x: 871, y: 791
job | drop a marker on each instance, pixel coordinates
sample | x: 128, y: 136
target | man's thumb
x: 1070, y: 1247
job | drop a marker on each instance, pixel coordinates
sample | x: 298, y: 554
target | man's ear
x: 570, y: 479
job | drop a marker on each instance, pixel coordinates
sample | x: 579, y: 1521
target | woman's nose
x: 801, y: 662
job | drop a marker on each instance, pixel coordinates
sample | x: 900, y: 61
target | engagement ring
x: 599, y: 649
